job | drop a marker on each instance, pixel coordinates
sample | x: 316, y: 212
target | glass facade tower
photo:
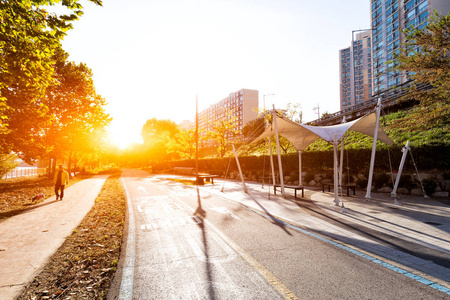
x: 389, y: 19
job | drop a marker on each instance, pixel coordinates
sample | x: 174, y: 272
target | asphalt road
x: 193, y: 245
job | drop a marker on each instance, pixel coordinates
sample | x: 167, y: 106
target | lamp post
x: 264, y: 103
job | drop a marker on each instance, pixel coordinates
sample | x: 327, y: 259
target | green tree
x: 7, y: 163
x: 184, y: 144
x: 29, y: 37
x: 76, y: 111
x: 223, y: 133
x: 425, y: 59
x: 158, y: 136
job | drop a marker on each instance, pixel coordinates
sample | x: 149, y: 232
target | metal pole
x: 336, y: 181
x: 342, y: 159
x: 196, y: 140
x: 271, y: 162
x: 374, y: 149
x: 399, y: 174
x: 300, y: 183
x: 239, y: 167
x: 280, y: 167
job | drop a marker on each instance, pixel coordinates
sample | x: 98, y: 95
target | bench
x: 184, y: 170
x: 206, y: 177
x: 348, y: 187
x: 294, y: 187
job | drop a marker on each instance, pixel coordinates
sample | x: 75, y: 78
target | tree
x: 29, y: 37
x: 294, y: 112
x: 253, y: 128
x: 223, y: 132
x: 184, y: 144
x: 76, y: 111
x: 425, y: 58
x: 158, y: 135
x: 7, y: 163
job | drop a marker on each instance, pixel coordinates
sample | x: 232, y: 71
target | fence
x: 24, y: 171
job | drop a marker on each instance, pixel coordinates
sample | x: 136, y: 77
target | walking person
x: 60, y: 180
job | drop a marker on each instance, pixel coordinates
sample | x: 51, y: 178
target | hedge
x: 427, y: 158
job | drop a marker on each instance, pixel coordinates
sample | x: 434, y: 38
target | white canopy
x: 301, y: 136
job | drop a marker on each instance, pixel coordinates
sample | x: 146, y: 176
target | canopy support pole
x: 341, y: 174
x: 399, y: 174
x: 336, y: 181
x: 280, y: 167
x: 374, y: 148
x: 341, y: 165
x: 271, y: 162
x: 300, y: 183
x: 239, y: 167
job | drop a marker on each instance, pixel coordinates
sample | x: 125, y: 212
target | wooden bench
x: 348, y: 187
x: 294, y: 187
x: 207, y: 177
x: 184, y: 170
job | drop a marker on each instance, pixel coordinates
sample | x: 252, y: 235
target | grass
x: 83, y: 267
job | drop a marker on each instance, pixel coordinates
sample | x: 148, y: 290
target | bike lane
x: 179, y: 255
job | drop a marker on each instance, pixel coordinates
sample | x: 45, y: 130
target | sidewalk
x: 28, y: 240
x: 418, y: 220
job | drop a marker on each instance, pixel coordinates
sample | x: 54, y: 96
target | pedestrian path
x: 27, y: 240
x: 418, y: 220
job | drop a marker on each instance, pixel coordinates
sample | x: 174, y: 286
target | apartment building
x: 240, y: 106
x: 355, y: 70
x: 389, y: 19
x: 365, y: 67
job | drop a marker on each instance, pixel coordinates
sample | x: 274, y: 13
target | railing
x: 389, y: 98
x: 24, y: 171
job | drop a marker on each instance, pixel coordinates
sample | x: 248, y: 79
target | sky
x: 153, y: 58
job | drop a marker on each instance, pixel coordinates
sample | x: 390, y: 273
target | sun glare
x: 123, y: 138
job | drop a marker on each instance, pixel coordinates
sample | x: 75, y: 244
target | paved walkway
x: 28, y: 240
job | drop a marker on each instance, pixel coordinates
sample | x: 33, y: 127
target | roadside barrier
x: 24, y: 171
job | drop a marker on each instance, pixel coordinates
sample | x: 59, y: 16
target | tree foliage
x: 77, y: 115
x: 158, y: 137
x: 184, y: 144
x: 223, y: 133
x: 29, y: 38
x: 425, y: 58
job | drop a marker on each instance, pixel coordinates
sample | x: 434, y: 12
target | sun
x: 123, y: 137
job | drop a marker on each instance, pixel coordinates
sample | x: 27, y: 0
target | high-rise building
x: 389, y: 19
x: 240, y: 106
x: 366, y: 66
x: 356, y: 71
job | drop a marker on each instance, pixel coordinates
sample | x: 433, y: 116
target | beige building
x: 241, y: 106
x: 356, y: 71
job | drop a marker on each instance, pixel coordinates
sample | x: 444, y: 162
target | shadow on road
x: 199, y: 212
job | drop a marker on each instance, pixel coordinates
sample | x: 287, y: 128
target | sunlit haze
x: 151, y: 58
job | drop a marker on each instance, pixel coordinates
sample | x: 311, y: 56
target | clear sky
x: 150, y: 58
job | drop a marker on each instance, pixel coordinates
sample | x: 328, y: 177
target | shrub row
x: 426, y: 158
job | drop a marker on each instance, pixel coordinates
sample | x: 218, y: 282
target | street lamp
x: 270, y: 146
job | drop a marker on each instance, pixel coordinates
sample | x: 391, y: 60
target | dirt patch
x: 83, y: 267
x: 17, y: 194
